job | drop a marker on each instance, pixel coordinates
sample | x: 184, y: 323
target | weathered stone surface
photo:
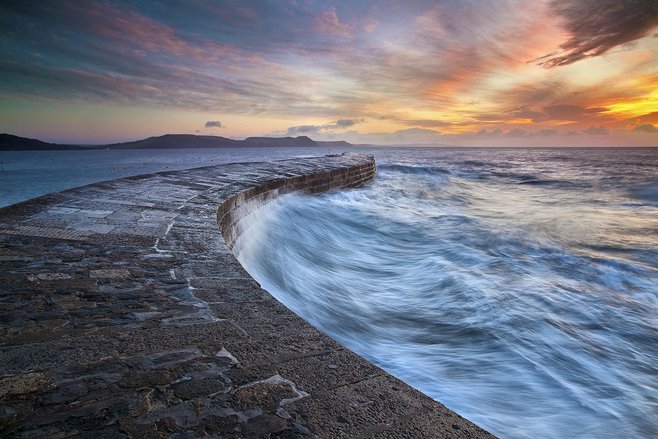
x: 14, y: 385
x: 123, y: 313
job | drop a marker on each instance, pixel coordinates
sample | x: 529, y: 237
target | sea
x: 517, y: 286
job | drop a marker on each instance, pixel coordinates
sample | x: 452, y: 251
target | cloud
x: 328, y: 22
x: 342, y: 123
x: 518, y: 132
x: 547, y: 132
x: 571, y: 112
x: 426, y: 123
x: 646, y: 128
x: 597, y: 26
x: 648, y: 118
x: 565, y: 112
x: 526, y: 113
x: 124, y: 53
x: 568, y: 112
x: 213, y: 124
x: 401, y: 137
x: 317, y: 62
x: 303, y: 130
x: 544, y: 132
x: 545, y: 91
x: 601, y: 130
x: 313, y: 129
x: 417, y: 133
x: 370, y: 24
x: 493, y: 132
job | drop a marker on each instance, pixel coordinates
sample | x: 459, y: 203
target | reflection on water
x: 518, y: 287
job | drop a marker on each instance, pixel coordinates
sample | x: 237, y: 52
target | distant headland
x: 9, y: 142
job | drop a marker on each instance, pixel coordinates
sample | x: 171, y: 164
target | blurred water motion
x: 518, y: 287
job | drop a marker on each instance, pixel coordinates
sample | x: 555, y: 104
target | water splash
x: 531, y: 309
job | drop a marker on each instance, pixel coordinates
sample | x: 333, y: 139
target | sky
x: 446, y: 72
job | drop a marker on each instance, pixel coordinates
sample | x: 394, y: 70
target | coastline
x: 126, y: 315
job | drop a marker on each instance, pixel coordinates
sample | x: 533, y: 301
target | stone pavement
x: 123, y: 313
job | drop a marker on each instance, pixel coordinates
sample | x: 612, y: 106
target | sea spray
x: 517, y: 287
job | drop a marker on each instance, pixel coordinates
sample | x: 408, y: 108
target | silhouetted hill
x: 192, y: 141
x: 280, y: 141
x: 9, y: 142
x: 169, y: 141
x: 333, y: 143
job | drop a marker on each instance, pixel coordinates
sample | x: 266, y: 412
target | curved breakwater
x: 231, y: 212
x: 125, y: 314
x: 518, y: 287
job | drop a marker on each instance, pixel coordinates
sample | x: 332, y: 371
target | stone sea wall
x: 124, y: 313
x: 232, y: 211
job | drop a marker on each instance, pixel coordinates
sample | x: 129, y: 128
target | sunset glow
x: 489, y: 73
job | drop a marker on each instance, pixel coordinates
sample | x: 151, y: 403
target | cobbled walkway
x: 124, y: 314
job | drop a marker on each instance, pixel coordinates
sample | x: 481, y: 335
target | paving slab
x: 123, y: 313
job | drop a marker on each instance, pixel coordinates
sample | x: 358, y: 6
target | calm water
x: 28, y: 174
x: 518, y: 287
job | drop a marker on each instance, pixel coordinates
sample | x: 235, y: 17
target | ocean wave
x: 501, y: 303
x: 557, y: 184
x: 414, y: 170
x: 639, y: 204
x: 647, y: 192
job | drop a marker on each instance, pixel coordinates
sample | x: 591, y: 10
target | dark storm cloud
x: 596, y: 26
x: 213, y: 124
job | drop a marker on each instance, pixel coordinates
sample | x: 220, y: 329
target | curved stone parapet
x: 123, y: 313
x: 359, y: 170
